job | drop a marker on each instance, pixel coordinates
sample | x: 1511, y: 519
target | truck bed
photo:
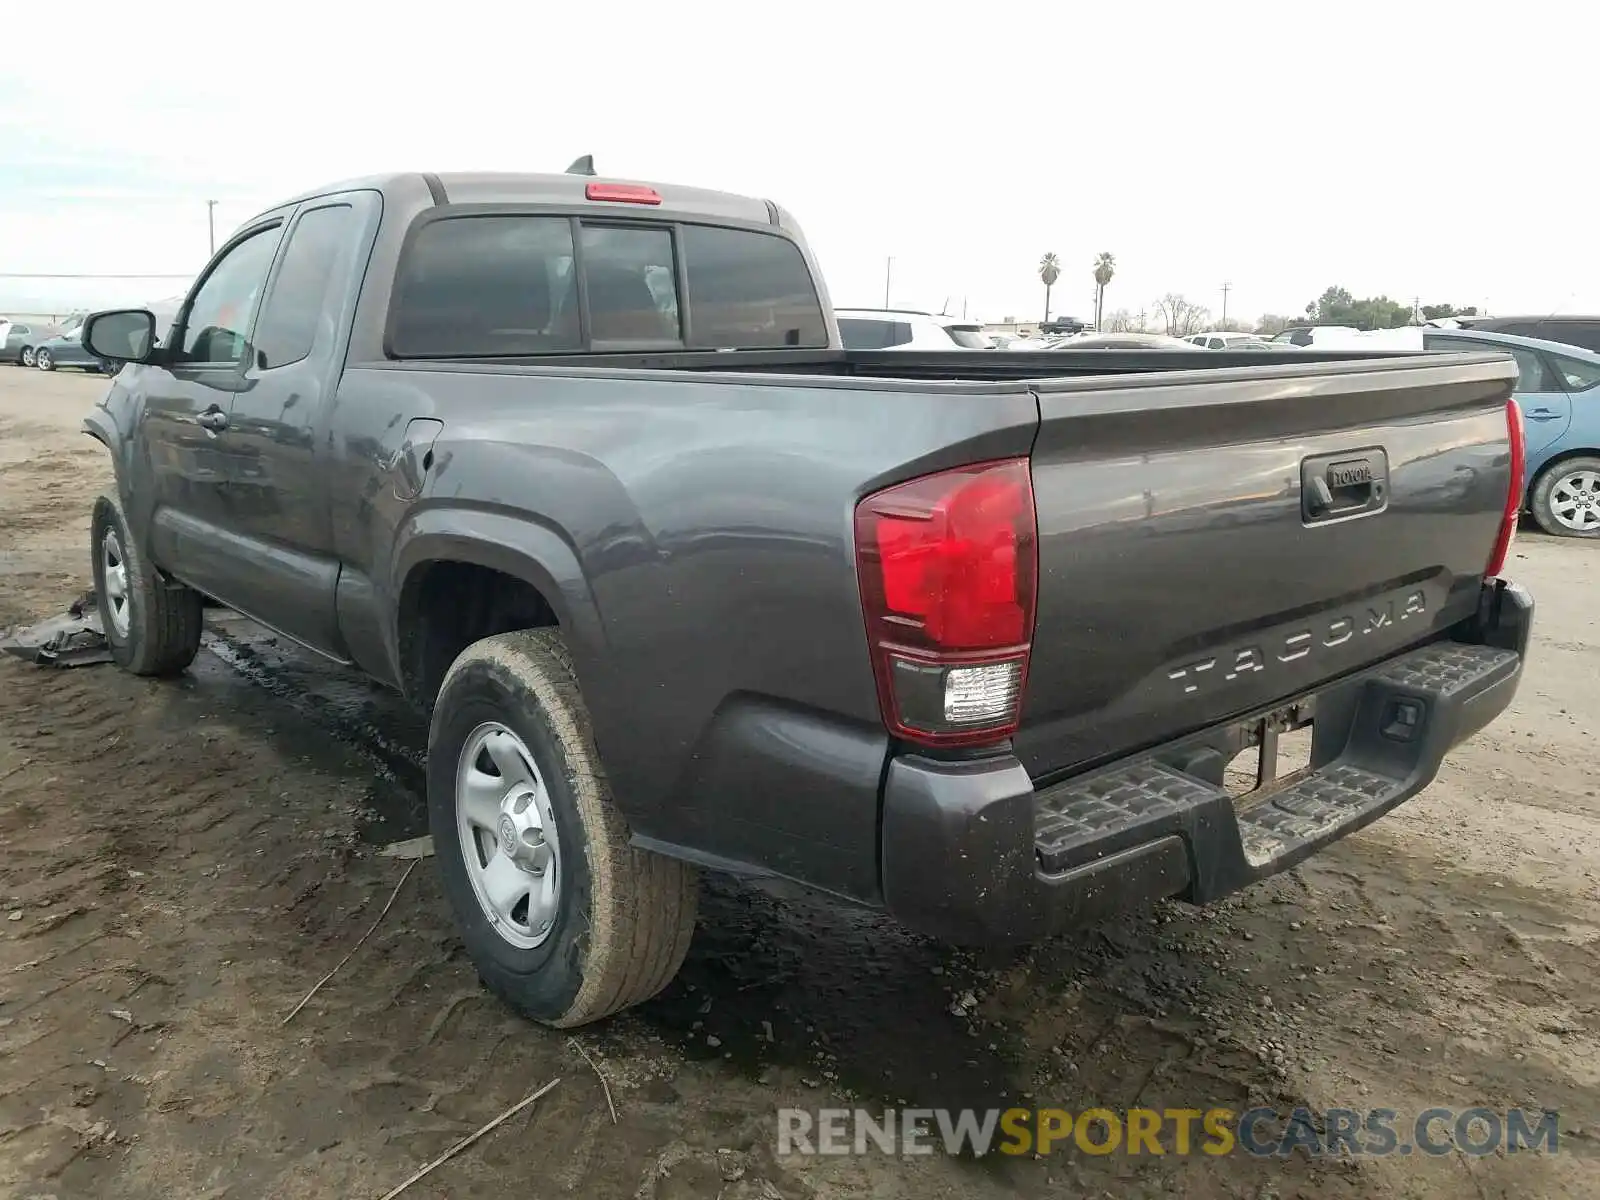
x: 1171, y: 535
x: 975, y: 365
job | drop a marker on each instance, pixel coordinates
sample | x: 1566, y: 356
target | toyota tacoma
x: 581, y: 467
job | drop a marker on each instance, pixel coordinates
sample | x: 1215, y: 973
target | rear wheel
x: 42, y: 360
x: 1566, y: 498
x: 564, y: 920
x: 152, y: 625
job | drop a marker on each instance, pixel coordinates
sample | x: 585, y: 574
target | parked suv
x: 896, y: 329
x: 1583, y: 332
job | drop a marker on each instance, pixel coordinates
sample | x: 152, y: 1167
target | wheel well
x: 445, y: 606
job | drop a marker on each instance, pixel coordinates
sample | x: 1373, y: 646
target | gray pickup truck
x: 580, y: 466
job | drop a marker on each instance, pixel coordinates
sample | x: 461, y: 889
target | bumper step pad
x: 1397, y: 720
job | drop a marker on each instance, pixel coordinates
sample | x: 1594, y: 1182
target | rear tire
x: 1566, y: 498
x: 614, y: 922
x: 151, y: 624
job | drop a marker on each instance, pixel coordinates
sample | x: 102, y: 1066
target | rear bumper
x: 973, y: 853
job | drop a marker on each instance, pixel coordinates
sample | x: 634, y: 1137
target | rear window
x: 633, y: 285
x: 749, y: 291
x: 504, y: 285
x: 486, y: 286
x: 868, y: 333
x: 971, y: 337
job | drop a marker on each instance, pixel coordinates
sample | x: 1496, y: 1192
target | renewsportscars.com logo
x: 1263, y: 1132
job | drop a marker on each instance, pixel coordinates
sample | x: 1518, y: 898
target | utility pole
x: 888, y: 271
x: 1226, y: 288
x: 211, y: 223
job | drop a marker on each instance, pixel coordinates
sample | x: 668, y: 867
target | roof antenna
x: 582, y: 166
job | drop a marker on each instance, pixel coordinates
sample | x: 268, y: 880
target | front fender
x: 112, y: 422
x: 99, y: 425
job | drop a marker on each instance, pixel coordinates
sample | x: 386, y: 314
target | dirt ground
x: 181, y: 862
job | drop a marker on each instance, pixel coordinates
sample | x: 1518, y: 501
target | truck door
x: 285, y: 570
x: 187, y: 399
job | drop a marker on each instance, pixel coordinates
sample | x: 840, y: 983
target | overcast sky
x: 1447, y: 155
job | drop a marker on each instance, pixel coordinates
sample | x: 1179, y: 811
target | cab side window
x: 297, y: 306
x: 219, y: 316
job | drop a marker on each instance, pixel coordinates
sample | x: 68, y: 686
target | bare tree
x: 1123, y: 321
x: 1181, y: 317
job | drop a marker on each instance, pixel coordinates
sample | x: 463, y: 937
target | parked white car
x: 1221, y: 339
x: 903, y: 329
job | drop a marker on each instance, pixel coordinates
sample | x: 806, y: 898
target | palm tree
x: 1049, y: 272
x: 1105, y: 266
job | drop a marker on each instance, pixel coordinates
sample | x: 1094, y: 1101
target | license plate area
x: 1270, y: 753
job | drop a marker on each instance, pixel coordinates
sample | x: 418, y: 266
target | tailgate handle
x: 1353, y: 483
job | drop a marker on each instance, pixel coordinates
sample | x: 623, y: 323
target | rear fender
x: 535, y: 553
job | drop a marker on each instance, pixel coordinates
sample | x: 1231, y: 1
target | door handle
x: 1543, y: 414
x: 213, y: 419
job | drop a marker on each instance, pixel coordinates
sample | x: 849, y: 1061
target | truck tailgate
x: 1214, y: 542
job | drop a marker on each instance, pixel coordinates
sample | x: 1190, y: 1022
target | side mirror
x: 124, y: 334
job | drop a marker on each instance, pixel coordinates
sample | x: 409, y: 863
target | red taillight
x: 1519, y: 482
x: 623, y: 193
x: 949, y: 571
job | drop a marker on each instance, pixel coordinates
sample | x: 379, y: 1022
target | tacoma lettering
x: 1327, y: 634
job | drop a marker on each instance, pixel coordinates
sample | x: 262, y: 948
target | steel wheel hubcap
x: 1575, y: 501
x: 508, y: 835
x: 116, y: 582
